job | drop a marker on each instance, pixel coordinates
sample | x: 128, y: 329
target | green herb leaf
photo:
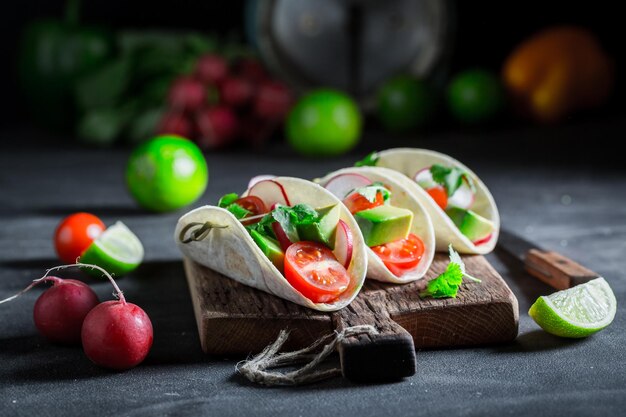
x: 370, y: 191
x: 287, y: 219
x: 447, y: 284
x: 237, y: 211
x: 227, y: 200
x: 369, y: 161
x: 450, y: 177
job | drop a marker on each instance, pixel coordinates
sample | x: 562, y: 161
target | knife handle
x: 556, y: 270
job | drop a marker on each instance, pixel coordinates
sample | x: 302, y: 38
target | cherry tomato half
x: 75, y: 233
x: 401, y: 255
x: 253, y: 204
x: 313, y: 270
x: 440, y: 195
x: 355, y: 202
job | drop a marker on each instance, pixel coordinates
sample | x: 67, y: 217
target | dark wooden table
x: 563, y: 187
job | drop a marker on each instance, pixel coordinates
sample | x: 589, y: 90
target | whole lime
x: 475, y: 96
x: 166, y: 173
x: 404, y: 103
x: 324, y: 123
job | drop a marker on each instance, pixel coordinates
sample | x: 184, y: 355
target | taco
x: 285, y: 236
x: 463, y: 211
x: 396, y: 228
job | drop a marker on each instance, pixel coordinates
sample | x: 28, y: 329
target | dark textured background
x: 537, y: 375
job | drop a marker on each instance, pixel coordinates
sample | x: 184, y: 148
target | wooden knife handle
x: 556, y: 270
x: 385, y: 356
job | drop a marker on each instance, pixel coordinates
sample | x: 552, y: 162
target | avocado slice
x: 270, y: 248
x: 471, y: 224
x: 384, y: 224
x: 322, y: 230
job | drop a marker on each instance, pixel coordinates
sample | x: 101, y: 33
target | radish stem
x: 118, y: 293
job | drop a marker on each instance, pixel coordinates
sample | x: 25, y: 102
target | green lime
x: 475, y: 96
x: 404, y: 103
x: 578, y: 311
x: 117, y: 250
x: 324, y: 123
x: 166, y: 173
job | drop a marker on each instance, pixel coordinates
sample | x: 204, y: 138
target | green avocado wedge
x: 384, y: 224
x: 323, y: 229
x: 270, y: 248
x: 471, y: 224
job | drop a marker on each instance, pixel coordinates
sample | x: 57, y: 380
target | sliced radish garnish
x: 343, y: 244
x: 259, y: 178
x: 483, y: 240
x: 340, y: 185
x: 424, y: 178
x: 281, y: 236
x: 270, y: 191
x: 463, y: 197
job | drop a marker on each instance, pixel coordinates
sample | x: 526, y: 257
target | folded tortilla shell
x: 401, y: 196
x: 232, y: 252
x: 407, y: 162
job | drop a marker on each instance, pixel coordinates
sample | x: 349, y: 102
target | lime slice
x: 576, y: 312
x: 117, y: 250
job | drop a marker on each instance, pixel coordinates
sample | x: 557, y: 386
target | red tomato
x: 75, y: 233
x: 356, y: 202
x: 401, y: 255
x: 440, y: 195
x: 253, y: 204
x: 313, y: 270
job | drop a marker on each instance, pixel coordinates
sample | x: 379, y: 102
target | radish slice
x: 483, y: 240
x: 271, y: 192
x: 259, y: 178
x: 281, y: 236
x: 463, y: 197
x: 424, y: 178
x: 343, y: 244
x: 340, y: 185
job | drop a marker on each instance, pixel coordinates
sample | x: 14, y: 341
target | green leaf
x: 287, y: 219
x: 450, y: 177
x: 369, y: 161
x: 237, y: 211
x: 304, y: 214
x: 227, y: 200
x: 104, y: 87
x: 371, y: 191
x: 445, y: 285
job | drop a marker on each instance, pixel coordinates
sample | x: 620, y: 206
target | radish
x: 59, y: 312
x: 343, y: 244
x: 271, y: 192
x: 424, y: 178
x: 259, y: 178
x: 341, y: 185
x: 483, y: 240
x: 463, y: 197
x: 281, y: 235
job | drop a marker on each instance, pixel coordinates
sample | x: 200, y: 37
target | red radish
x: 236, y: 92
x: 282, y: 237
x: 341, y: 185
x: 251, y: 69
x: 217, y: 127
x: 211, y: 69
x: 483, y: 240
x: 187, y: 94
x: 176, y: 123
x: 259, y: 178
x: 424, y: 178
x: 344, y: 244
x: 463, y: 197
x: 59, y: 312
x: 273, y: 101
x: 271, y: 192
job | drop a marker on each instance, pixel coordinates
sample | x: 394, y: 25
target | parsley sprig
x: 451, y: 178
x: 369, y: 161
x: 371, y: 191
x: 447, y: 284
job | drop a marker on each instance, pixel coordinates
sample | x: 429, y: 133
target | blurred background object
x: 226, y: 74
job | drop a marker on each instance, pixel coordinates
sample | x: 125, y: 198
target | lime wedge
x: 576, y: 312
x: 117, y: 250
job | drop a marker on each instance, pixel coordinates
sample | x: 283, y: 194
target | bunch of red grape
x: 219, y: 103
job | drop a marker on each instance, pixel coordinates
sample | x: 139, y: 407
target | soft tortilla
x: 407, y: 162
x: 233, y: 253
x: 401, y: 196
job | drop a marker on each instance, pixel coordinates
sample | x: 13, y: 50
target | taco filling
x: 453, y: 190
x: 311, y: 247
x: 386, y: 228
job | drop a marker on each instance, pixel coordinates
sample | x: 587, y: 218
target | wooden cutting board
x: 235, y: 320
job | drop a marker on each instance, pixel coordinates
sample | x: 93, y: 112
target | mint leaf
x: 371, y: 191
x: 450, y: 177
x: 369, y: 161
x: 227, y: 200
x: 304, y: 214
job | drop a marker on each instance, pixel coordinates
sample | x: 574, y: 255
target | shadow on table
x: 537, y: 341
x: 27, y: 264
